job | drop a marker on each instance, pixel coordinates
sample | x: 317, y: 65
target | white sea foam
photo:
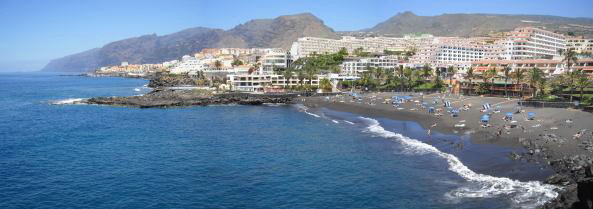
x: 349, y: 122
x: 314, y: 115
x: 523, y: 194
x: 136, y: 89
x: 67, y: 101
x: 335, y: 121
x: 304, y: 109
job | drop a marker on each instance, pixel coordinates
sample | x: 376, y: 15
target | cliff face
x: 279, y: 32
x: 478, y: 24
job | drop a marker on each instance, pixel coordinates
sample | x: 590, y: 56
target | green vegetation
x: 237, y: 62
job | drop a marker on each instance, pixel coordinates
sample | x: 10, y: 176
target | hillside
x: 278, y: 32
x: 478, y: 24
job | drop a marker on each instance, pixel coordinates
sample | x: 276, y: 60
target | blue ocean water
x: 88, y: 156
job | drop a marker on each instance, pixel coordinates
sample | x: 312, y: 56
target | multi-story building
x: 306, y: 46
x: 580, y: 44
x: 356, y: 66
x: 257, y: 83
x: 533, y: 43
x: 549, y: 67
x: 274, y: 60
x: 448, y: 51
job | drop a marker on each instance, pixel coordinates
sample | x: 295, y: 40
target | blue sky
x: 36, y: 31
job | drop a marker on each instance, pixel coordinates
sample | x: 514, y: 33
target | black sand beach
x: 560, y: 138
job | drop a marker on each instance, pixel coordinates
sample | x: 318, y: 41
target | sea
x: 58, y: 154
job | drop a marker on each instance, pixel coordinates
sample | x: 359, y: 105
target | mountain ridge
x: 281, y: 31
x: 475, y: 24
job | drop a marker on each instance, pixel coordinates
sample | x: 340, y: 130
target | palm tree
x: 426, y: 71
x: 519, y: 75
x: 469, y: 75
x: 487, y: 75
x: 217, y: 64
x: 582, y: 82
x: 379, y: 75
x: 507, y: 72
x: 450, y: 72
x: 325, y: 85
x: 400, y: 72
x: 287, y: 75
x: 301, y: 76
x: 408, y: 74
x: 534, y: 75
x: 570, y: 56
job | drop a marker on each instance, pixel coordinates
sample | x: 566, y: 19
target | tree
x: 519, y: 74
x: 334, y: 69
x: 570, y: 56
x: 237, y: 62
x: 287, y: 76
x: 450, y: 72
x: 534, y: 75
x: 400, y: 72
x: 569, y: 79
x: 507, y: 72
x: 426, y: 71
x: 380, y: 75
x: 325, y: 85
x: 408, y: 74
x: 217, y: 64
x: 582, y: 82
x: 343, y: 52
x: 301, y: 76
x: 437, y: 79
x: 469, y: 75
x: 487, y: 75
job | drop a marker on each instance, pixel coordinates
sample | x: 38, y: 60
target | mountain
x: 278, y: 32
x: 478, y: 24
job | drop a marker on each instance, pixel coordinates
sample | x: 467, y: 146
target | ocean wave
x: 312, y: 114
x: 67, y: 101
x: 522, y: 194
x: 349, y: 122
x: 304, y: 109
x: 335, y: 121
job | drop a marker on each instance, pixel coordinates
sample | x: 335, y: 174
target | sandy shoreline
x: 561, y: 138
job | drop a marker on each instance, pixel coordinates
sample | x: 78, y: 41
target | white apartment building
x: 580, y: 44
x: 306, y: 46
x: 274, y: 60
x: 446, y: 54
x: 533, y: 43
x: 356, y: 67
x: 256, y: 83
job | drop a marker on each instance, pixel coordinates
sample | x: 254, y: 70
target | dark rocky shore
x: 175, y: 98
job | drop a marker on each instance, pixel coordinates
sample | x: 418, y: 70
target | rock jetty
x: 175, y: 98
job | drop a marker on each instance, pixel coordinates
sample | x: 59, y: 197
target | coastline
x: 547, y: 140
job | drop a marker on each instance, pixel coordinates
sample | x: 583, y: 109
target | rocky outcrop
x: 172, y: 98
x: 171, y: 81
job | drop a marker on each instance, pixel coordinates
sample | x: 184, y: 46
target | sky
x: 36, y: 31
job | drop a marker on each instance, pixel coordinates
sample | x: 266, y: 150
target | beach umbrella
x: 455, y: 112
x: 485, y: 119
x: 486, y: 106
x: 530, y: 115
